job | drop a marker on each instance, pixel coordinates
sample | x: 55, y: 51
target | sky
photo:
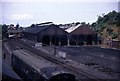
x: 59, y: 12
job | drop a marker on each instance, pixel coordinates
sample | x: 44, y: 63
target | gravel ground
x: 103, y: 60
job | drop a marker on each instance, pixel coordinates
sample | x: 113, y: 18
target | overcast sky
x: 26, y: 13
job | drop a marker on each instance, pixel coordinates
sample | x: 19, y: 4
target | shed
x: 15, y: 33
x: 47, y: 34
x: 81, y: 35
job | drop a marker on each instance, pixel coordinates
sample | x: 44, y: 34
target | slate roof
x: 37, y: 29
x: 84, y: 30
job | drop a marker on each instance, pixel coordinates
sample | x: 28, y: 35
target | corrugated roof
x: 69, y: 30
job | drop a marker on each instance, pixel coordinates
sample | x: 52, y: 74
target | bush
x: 109, y: 30
x: 114, y: 35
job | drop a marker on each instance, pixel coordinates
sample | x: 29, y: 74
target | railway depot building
x: 82, y: 35
x: 15, y: 33
x: 46, y: 34
x: 54, y: 35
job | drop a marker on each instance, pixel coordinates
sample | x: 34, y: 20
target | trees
x: 117, y: 19
x: 77, y: 23
x: 83, y: 23
x: 4, y: 30
x: 17, y: 26
x: 107, y: 22
x: 114, y: 35
x: 33, y: 25
x: 100, y: 18
x: 112, y: 18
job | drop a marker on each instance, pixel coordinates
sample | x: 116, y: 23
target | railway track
x: 90, y: 54
x: 17, y: 44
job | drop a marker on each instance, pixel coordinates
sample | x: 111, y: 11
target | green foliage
x: 93, y: 24
x: 100, y: 18
x: 109, y: 30
x: 117, y: 19
x: 112, y: 18
x: 103, y: 27
x: 114, y: 35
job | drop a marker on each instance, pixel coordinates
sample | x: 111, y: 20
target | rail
x: 92, y: 76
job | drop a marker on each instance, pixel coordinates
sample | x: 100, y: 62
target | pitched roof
x: 85, y: 30
x: 14, y: 31
x: 35, y: 30
x: 69, y: 30
x: 51, y: 28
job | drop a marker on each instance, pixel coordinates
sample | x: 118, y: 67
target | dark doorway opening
x: 72, y: 42
x: 55, y: 40
x: 89, y: 40
x: 46, y: 40
x: 63, y: 40
x: 81, y: 40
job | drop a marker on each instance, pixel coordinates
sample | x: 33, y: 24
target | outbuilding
x: 15, y: 33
